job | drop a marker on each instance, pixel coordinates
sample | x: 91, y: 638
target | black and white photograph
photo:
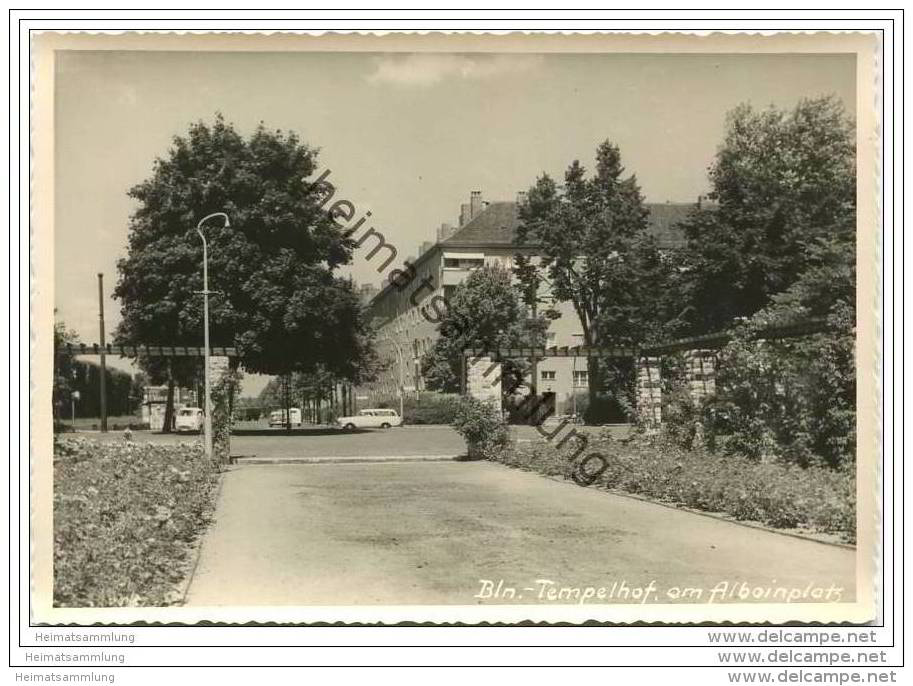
x: 455, y: 329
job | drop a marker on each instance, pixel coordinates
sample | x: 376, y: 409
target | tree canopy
x: 784, y: 183
x: 594, y: 251
x: 279, y: 298
x: 484, y: 310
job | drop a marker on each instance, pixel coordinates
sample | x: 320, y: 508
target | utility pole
x: 103, y: 404
x: 534, y: 367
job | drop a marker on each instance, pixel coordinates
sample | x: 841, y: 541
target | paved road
x: 322, y: 442
x: 309, y: 442
x: 400, y: 441
x: 427, y: 533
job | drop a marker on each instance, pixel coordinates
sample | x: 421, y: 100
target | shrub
x: 789, y: 400
x: 482, y: 427
x: 125, y: 517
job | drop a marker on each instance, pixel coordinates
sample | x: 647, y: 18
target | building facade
x: 155, y: 398
x: 405, y: 313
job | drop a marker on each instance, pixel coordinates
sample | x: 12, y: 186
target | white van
x: 278, y: 418
x: 188, y: 419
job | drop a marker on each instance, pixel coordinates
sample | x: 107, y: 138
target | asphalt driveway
x: 257, y: 440
x: 466, y: 532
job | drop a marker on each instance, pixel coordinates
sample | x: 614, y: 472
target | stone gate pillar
x: 700, y: 374
x: 649, y: 393
x: 221, y: 388
x: 483, y: 379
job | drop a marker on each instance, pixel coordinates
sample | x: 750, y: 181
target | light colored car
x: 379, y: 418
x: 189, y: 419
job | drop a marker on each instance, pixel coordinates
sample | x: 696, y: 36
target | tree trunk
x: 287, y: 402
x: 169, y: 403
x: 593, y: 379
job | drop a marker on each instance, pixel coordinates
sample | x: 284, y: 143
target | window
x: 581, y: 378
x: 463, y: 262
x: 548, y: 375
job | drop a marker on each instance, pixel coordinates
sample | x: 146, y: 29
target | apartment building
x: 484, y: 236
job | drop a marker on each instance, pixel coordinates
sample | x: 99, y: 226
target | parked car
x: 189, y: 419
x: 380, y: 418
x: 278, y: 418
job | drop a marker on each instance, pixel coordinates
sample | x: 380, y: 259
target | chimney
x: 464, y: 214
x: 700, y: 200
x: 425, y: 247
x: 445, y: 232
x: 521, y: 197
x: 475, y: 204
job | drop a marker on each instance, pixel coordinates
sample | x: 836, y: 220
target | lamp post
x: 207, y: 408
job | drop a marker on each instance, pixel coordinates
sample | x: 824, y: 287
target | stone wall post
x: 649, y: 393
x: 483, y: 379
x: 221, y: 388
x: 700, y: 374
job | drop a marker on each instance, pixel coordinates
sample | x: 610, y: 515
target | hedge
x: 426, y: 408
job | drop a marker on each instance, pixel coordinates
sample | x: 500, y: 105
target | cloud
x: 427, y: 69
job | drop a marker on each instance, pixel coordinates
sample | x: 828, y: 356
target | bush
x: 482, y: 427
x: 790, y: 400
x: 125, y: 517
x: 426, y: 408
x: 776, y: 494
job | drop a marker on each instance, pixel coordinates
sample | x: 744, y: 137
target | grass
x: 784, y: 496
x: 116, y: 423
x: 126, y: 516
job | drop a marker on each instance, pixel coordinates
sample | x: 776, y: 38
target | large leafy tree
x: 784, y: 183
x: 484, y: 311
x: 593, y: 250
x: 280, y: 299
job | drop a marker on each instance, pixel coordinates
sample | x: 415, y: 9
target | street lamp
x: 207, y: 417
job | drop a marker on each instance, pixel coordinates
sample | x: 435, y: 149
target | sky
x: 405, y: 136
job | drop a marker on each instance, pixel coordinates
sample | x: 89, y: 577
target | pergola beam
x: 76, y: 349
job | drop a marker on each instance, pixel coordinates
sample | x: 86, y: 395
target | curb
x: 197, y: 550
x: 355, y: 459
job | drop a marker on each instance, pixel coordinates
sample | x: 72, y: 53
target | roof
x: 497, y: 225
